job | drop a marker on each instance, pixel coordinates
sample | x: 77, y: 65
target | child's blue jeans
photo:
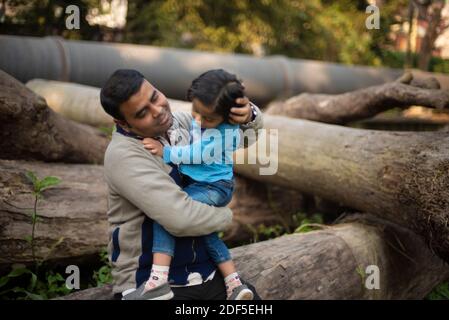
x: 218, y: 194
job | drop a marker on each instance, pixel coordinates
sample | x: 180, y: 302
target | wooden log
x: 331, y: 264
x: 75, y: 211
x: 399, y: 176
x: 30, y: 130
x: 363, y: 103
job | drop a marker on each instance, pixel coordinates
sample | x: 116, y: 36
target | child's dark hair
x: 217, y: 89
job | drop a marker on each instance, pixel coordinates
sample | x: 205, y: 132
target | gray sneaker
x: 162, y: 292
x: 241, y: 293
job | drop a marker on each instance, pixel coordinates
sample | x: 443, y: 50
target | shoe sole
x: 245, y: 294
x: 166, y: 296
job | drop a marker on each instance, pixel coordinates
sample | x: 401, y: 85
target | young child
x: 206, y: 163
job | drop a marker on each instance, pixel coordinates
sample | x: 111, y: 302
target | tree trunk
x: 399, y: 176
x: 331, y: 264
x: 32, y: 131
x: 408, y: 63
x: 432, y: 14
x: 75, y: 211
x: 364, y: 103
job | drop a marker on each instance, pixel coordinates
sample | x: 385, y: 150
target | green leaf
x: 18, y: 290
x: 3, y: 281
x: 18, y: 272
x: 33, y: 281
x: 361, y: 273
x: 30, y: 295
x: 28, y: 238
x: 58, y: 277
x: 32, y: 177
x: 33, y: 296
x: 48, y: 182
x: 440, y: 292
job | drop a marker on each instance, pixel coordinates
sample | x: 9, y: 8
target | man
x: 142, y: 188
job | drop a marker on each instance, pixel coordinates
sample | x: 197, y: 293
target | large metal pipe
x: 172, y: 70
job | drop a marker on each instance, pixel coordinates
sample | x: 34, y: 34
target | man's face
x: 147, y: 112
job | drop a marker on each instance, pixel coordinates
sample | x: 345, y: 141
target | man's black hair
x: 120, y: 86
x: 217, y: 89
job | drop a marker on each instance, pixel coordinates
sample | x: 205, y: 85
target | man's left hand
x: 241, y: 115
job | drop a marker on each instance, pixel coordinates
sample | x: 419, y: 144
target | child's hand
x: 241, y: 115
x: 152, y: 145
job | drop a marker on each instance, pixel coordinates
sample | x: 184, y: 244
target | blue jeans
x: 218, y: 194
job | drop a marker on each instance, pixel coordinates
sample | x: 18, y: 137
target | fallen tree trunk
x: 399, y: 176
x: 363, y: 103
x: 402, y: 177
x: 331, y: 264
x: 75, y: 211
x: 32, y: 131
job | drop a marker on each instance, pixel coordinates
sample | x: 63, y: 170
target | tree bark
x: 363, y: 103
x: 399, y: 176
x: 331, y: 264
x: 75, y: 211
x: 32, y: 131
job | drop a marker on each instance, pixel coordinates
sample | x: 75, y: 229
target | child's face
x: 204, y: 116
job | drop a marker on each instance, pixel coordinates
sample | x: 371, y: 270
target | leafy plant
x: 38, y: 187
x: 270, y: 231
x: 308, y: 223
x: 21, y: 282
x: 441, y: 292
x: 24, y: 284
x: 103, y: 274
x: 361, y: 272
x: 262, y: 232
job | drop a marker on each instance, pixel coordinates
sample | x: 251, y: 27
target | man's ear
x: 122, y: 123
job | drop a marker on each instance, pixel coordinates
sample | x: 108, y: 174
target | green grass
x: 440, y: 292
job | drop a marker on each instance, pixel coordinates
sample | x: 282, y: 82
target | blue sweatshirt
x: 208, y: 157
